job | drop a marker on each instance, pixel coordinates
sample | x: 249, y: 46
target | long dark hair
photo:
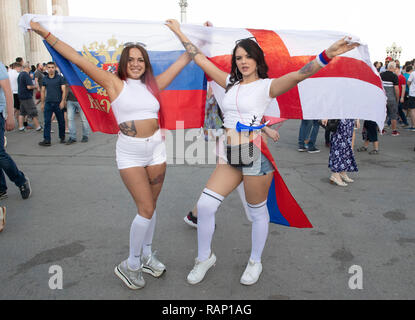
x: 148, y: 76
x: 256, y: 53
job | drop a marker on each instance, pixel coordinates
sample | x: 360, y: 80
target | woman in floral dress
x: 341, y: 158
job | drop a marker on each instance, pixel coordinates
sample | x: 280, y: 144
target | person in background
x: 52, y: 101
x: 402, y: 89
x: 27, y: 104
x: 7, y: 164
x: 411, y: 100
x: 390, y: 83
x: 14, y: 70
x: 308, y: 131
x: 370, y: 135
x: 377, y: 65
x: 73, y: 107
x: 407, y: 72
x: 383, y: 68
x: 38, y: 81
x: 341, y: 157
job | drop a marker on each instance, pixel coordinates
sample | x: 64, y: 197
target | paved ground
x: 80, y: 213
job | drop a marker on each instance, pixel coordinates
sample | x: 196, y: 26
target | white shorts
x: 140, y: 152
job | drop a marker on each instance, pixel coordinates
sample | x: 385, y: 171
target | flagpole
x: 183, y: 6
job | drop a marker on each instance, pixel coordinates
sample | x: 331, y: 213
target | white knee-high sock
x: 148, y: 239
x: 207, y: 206
x: 138, y: 230
x: 241, y: 192
x: 260, y: 218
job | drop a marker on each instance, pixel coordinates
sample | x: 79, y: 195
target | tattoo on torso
x: 308, y: 68
x: 128, y: 128
x: 191, y: 49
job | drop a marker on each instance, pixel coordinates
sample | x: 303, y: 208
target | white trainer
x: 252, y: 272
x: 199, y: 270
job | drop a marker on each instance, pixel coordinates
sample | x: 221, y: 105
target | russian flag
x: 283, y: 209
x: 183, y: 100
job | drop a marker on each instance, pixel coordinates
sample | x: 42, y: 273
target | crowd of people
x: 45, y: 87
x: 140, y: 150
x: 24, y: 87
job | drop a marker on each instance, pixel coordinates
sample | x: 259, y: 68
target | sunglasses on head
x: 250, y: 38
x: 129, y: 44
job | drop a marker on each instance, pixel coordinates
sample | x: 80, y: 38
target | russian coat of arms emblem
x: 104, y: 56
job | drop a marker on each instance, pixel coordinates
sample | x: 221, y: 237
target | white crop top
x: 246, y: 103
x: 135, y: 102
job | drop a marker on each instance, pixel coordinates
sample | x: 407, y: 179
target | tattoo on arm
x: 307, y: 69
x: 191, y: 49
x: 128, y: 128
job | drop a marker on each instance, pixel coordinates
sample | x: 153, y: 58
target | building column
x: 11, y: 37
x: 38, y: 51
x: 60, y: 7
x: 24, y: 5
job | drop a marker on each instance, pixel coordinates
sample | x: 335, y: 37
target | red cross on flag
x: 348, y: 88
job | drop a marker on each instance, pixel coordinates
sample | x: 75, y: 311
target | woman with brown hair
x: 140, y: 149
x: 249, y: 92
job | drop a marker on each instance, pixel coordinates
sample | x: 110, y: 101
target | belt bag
x: 242, y: 155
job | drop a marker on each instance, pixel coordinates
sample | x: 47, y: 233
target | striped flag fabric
x: 349, y: 87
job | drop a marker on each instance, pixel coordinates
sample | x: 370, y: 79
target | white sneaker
x: 252, y: 272
x: 199, y: 270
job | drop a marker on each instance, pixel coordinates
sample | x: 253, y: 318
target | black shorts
x: 410, y: 103
x: 28, y: 108
x: 371, y: 130
x: 16, y: 101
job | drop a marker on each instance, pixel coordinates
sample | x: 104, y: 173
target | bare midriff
x: 139, y: 128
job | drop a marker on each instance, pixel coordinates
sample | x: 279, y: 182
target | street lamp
x: 183, y: 6
x: 394, y: 51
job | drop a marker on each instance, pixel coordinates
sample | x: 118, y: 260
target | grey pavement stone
x: 79, y: 216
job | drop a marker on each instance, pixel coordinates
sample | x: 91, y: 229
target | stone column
x: 60, y: 7
x: 24, y: 5
x: 11, y: 38
x: 38, y: 51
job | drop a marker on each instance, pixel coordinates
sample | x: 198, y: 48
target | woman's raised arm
x: 104, y: 78
x: 283, y: 84
x: 164, y: 79
x: 200, y: 59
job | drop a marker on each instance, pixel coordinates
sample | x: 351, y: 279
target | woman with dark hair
x: 249, y: 91
x: 377, y: 65
x: 140, y: 149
